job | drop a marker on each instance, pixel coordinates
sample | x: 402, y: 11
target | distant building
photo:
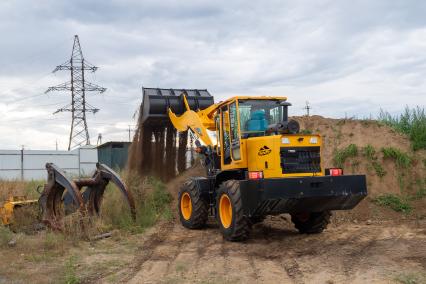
x: 114, y: 154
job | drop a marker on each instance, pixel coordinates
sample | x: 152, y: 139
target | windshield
x: 256, y: 115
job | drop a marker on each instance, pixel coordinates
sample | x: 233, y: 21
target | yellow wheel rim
x: 186, y: 206
x: 225, y: 211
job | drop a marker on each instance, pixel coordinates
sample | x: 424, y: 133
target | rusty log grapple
x: 62, y: 196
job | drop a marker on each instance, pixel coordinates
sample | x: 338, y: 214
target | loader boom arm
x: 198, y: 121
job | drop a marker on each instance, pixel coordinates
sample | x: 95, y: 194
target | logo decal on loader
x: 265, y: 150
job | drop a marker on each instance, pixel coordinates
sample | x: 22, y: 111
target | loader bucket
x: 156, y: 103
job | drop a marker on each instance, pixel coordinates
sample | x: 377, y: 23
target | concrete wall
x: 30, y: 164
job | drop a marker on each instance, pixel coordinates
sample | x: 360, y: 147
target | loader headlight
x: 313, y: 140
x: 285, y: 140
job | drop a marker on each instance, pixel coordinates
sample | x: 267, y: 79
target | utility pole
x: 307, y: 108
x: 129, y: 134
x: 99, y: 142
x: 79, y: 134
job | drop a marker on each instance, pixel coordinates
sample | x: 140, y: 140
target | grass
x: 380, y: 171
x: 395, y: 202
x: 70, y: 271
x: 402, y: 160
x: 151, y: 199
x: 19, y: 188
x: 340, y: 156
x: 370, y: 153
x: 411, y: 123
x: 306, y: 131
x: 5, y: 236
x: 421, y: 189
x: 411, y: 278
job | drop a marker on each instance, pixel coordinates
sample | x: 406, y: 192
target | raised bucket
x: 156, y: 103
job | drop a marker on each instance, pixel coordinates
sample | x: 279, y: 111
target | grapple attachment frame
x: 62, y: 195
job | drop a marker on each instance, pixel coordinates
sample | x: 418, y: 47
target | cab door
x: 230, y: 137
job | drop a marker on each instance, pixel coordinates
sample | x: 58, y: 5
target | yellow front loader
x: 258, y: 163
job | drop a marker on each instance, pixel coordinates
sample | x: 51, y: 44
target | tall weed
x: 411, y: 123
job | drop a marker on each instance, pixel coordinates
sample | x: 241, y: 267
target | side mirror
x: 285, y: 103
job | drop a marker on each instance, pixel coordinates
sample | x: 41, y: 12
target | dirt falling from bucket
x: 158, y: 150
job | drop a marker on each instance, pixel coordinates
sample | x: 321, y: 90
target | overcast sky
x: 347, y: 58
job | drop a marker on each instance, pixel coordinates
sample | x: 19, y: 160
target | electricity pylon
x: 78, y: 86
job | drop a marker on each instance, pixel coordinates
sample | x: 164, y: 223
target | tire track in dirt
x: 276, y: 253
x: 146, y: 250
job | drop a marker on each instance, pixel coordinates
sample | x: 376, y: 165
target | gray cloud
x: 345, y: 57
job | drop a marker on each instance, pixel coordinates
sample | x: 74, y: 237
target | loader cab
x: 240, y: 119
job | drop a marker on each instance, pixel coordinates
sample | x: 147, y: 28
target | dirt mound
x: 338, y: 134
x: 384, y: 174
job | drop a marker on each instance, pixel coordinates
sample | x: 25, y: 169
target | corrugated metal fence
x: 30, y: 164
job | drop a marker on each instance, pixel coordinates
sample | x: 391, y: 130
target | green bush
x: 411, y: 123
x: 397, y: 203
x: 401, y: 159
x: 340, y: 156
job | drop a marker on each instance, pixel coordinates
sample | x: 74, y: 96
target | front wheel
x: 234, y: 225
x: 192, y: 207
x: 311, y: 223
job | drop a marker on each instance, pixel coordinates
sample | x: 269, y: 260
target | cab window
x: 226, y: 145
x: 256, y: 115
x: 235, y: 132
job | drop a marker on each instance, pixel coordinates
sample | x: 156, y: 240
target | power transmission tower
x: 78, y: 86
x: 307, y: 108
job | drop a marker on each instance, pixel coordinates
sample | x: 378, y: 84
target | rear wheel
x: 233, y: 223
x: 311, y: 223
x: 192, y: 207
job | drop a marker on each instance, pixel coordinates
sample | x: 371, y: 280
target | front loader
x: 257, y: 162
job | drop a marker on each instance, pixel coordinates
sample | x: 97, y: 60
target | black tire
x: 239, y: 227
x: 199, y: 214
x: 257, y: 219
x: 312, y: 223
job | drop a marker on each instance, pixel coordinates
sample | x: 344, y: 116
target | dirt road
x: 276, y: 253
